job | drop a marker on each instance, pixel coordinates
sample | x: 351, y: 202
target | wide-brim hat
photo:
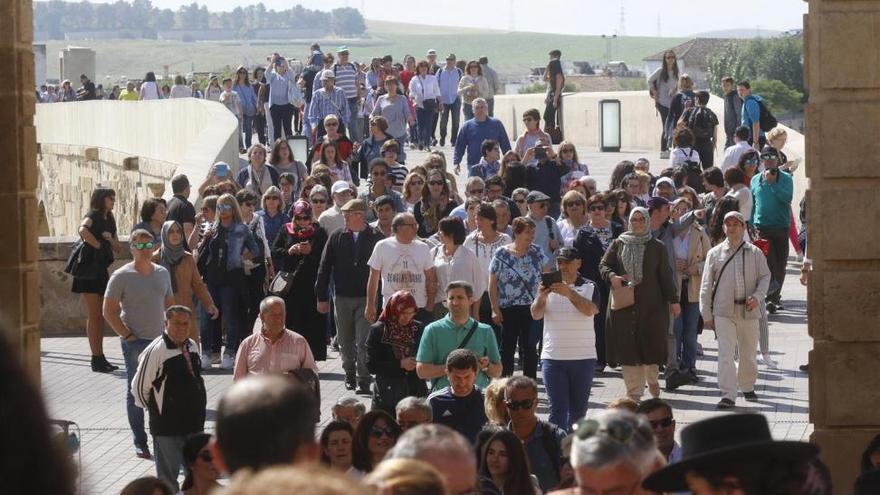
x: 721, y: 441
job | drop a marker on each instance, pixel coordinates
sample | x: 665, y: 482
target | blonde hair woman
x: 406, y: 477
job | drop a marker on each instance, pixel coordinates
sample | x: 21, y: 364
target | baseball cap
x: 355, y: 205
x: 431, y: 52
x: 769, y: 152
x: 451, y: 56
x: 536, y: 196
x: 737, y: 215
x: 342, y: 49
x: 340, y: 186
x: 567, y: 254
x: 328, y: 74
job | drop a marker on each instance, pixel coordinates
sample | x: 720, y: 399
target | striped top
x: 346, y: 78
x: 568, y: 333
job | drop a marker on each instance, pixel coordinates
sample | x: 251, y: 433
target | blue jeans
x: 130, y: 353
x: 424, y: 118
x: 468, y: 111
x: 568, y: 385
x: 169, y: 458
x: 685, y: 331
x: 228, y: 300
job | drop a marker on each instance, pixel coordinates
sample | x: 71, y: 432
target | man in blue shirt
x: 329, y: 100
x: 475, y: 131
x: 773, y: 190
x: 281, y: 84
x: 450, y: 102
x: 460, y: 406
x: 751, y: 114
x: 542, y: 440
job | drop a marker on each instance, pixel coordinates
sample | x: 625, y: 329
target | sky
x: 590, y: 17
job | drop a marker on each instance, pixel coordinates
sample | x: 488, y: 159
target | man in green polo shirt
x: 450, y: 333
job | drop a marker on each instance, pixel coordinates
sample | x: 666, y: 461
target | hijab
x: 301, y: 208
x: 401, y: 338
x: 170, y: 256
x: 633, y: 252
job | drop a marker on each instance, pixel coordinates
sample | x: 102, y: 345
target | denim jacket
x: 238, y: 237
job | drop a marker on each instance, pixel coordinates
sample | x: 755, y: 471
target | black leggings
x: 517, y: 327
x: 281, y: 117
x: 664, y: 139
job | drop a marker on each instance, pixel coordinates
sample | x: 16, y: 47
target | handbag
x: 763, y: 245
x: 623, y: 297
x: 282, y: 283
x: 83, y: 261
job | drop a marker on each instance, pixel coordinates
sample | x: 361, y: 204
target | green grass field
x: 512, y: 54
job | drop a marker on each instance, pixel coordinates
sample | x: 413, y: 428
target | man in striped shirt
x: 347, y: 79
x: 327, y: 100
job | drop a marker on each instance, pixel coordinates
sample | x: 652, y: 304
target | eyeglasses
x: 661, y: 423
x: 521, y: 404
x: 476, y: 191
x: 377, y: 432
x: 318, y: 201
x: 331, y: 124
x: 597, y: 208
x: 618, y: 431
x: 301, y: 217
x: 769, y: 157
x: 519, y: 201
x: 224, y: 207
x: 379, y: 174
x: 436, y: 182
x: 140, y: 246
x: 206, y: 456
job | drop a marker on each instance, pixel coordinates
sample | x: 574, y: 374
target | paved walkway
x: 96, y: 401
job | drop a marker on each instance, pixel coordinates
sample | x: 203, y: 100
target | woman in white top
x: 568, y: 357
x: 574, y: 216
x: 149, y: 88
x: 213, y: 91
x: 484, y: 242
x: 683, y: 149
x: 472, y: 86
x: 180, y: 88
x: 453, y: 261
x: 425, y: 94
x: 735, y: 179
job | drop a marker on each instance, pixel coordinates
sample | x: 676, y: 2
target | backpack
x: 308, y: 76
x: 700, y: 123
x: 766, y: 119
x: 551, y: 445
x: 350, y: 64
x: 693, y: 173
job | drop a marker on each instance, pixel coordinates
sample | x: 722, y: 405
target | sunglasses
x: 519, y: 201
x: 417, y: 183
x: 575, y: 203
x: 331, y: 124
x: 377, y: 432
x: 302, y: 217
x: 144, y: 245
x: 661, y: 423
x: 476, y: 191
x: 597, y: 208
x: 436, y: 182
x: 206, y: 456
x: 752, y: 161
x: 224, y: 207
x: 618, y: 431
x: 318, y: 201
x: 517, y: 405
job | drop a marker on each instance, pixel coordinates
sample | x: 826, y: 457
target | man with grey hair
x: 474, y: 132
x: 350, y: 410
x: 412, y: 412
x: 445, y: 449
x: 613, y: 452
x: 274, y: 349
x: 402, y: 262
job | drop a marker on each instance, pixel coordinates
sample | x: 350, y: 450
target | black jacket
x: 348, y: 268
x: 732, y: 113
x: 590, y: 249
x: 380, y: 356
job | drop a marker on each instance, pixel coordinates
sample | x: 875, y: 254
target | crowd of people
x: 434, y: 298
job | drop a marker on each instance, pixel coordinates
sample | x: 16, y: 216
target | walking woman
x: 591, y: 242
x: 425, y: 95
x: 514, y: 276
x: 337, y: 440
x: 394, y: 108
x: 662, y: 86
x: 504, y: 467
x: 258, y: 268
x: 636, y: 335
x: 98, y: 233
x: 452, y: 263
x: 391, y: 351
x: 375, y: 435
x: 471, y: 86
x: 221, y: 254
x: 435, y: 204
x: 285, y: 163
x: 248, y: 98
x: 185, y: 278
x: 262, y: 91
x: 258, y: 176
x: 299, y: 246
x: 149, y: 88
x: 484, y: 242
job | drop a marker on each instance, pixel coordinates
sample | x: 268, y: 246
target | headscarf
x: 400, y: 338
x: 301, y: 208
x: 633, y: 252
x: 170, y: 256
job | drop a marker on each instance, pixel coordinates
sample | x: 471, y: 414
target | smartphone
x: 221, y: 170
x: 550, y: 278
x: 540, y: 152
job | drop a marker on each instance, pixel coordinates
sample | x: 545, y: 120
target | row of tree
x: 142, y: 18
x: 774, y: 66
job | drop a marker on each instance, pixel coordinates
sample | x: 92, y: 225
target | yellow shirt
x: 127, y: 95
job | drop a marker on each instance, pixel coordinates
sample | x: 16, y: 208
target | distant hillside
x: 744, y: 33
x: 390, y: 27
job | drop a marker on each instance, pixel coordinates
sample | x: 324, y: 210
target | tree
x: 779, y: 97
x: 347, y: 22
x: 779, y: 59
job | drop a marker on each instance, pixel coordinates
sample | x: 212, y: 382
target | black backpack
x: 694, y: 172
x: 766, y: 120
x: 700, y: 123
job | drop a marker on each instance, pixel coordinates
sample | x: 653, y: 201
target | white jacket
x: 755, y: 272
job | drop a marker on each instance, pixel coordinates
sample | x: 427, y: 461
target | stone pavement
x: 96, y: 401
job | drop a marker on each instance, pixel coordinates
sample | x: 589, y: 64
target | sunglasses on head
x: 514, y: 405
x: 661, y: 423
x: 377, y: 432
x: 618, y: 431
x: 140, y: 246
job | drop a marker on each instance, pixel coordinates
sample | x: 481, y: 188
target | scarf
x: 633, y: 252
x: 300, y: 234
x: 400, y: 338
x: 170, y: 256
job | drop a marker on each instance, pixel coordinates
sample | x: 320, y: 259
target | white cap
x: 735, y: 214
x: 327, y: 74
x: 340, y: 186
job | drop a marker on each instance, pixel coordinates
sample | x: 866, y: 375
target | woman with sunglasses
x: 337, y: 440
x: 436, y: 160
x: 471, y: 86
x: 504, y: 466
x: 199, y: 473
x: 258, y: 269
x: 97, y: 232
x: 574, y: 216
x: 299, y: 246
x: 185, y: 278
x: 435, y: 204
x: 568, y: 156
x: 412, y: 190
x: 591, y: 242
x: 272, y: 213
x: 222, y: 253
x: 531, y: 137
x: 519, y: 196
x: 375, y: 435
x: 318, y: 199
x: 391, y: 351
x: 636, y: 335
x: 620, y: 213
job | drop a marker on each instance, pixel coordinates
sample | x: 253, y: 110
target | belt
x: 740, y: 302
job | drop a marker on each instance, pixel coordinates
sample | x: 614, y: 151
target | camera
x: 773, y: 171
x: 540, y: 152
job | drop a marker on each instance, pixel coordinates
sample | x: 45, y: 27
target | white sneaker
x: 227, y: 363
x: 768, y: 362
x: 206, y: 361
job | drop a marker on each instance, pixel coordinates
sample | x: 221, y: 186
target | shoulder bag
x: 467, y: 338
x: 718, y: 279
x: 623, y: 297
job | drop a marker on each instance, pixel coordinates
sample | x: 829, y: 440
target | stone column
x: 842, y: 73
x: 19, y: 278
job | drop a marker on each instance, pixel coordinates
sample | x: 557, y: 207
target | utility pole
x: 621, y: 27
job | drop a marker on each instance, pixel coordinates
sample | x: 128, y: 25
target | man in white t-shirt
x: 740, y: 146
x: 402, y: 262
x: 568, y: 357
